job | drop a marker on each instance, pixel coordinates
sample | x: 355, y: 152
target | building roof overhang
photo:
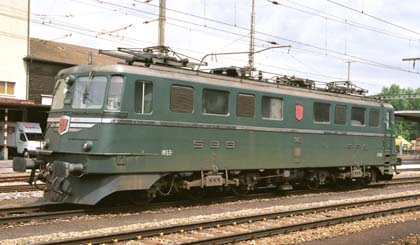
x: 409, y: 115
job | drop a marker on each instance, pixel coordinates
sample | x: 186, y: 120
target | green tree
x: 408, y: 130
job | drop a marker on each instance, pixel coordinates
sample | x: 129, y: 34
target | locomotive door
x: 389, y: 134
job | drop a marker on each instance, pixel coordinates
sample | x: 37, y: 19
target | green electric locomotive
x: 155, y: 130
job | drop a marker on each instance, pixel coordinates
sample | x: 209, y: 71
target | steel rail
x: 302, y: 226
x: 141, y: 233
x: 19, y: 188
x: 5, y: 179
x: 32, y: 209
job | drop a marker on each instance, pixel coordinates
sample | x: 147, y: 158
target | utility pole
x: 348, y: 69
x: 252, y: 40
x: 162, y: 19
x: 412, y: 59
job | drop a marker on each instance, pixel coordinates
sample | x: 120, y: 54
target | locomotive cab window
x: 59, y: 95
x: 182, y: 99
x: 89, y: 92
x: 272, y: 108
x: 245, y: 105
x: 143, y: 97
x: 321, y: 112
x: 215, y: 102
x: 115, y: 92
x: 374, y: 118
x: 340, y: 115
x: 357, y: 116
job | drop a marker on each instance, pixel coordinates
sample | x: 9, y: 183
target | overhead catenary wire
x: 364, y: 60
x: 207, y: 28
x: 374, y: 17
x: 329, y: 16
x: 85, y: 31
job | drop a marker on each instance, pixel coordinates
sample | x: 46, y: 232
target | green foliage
x: 408, y: 130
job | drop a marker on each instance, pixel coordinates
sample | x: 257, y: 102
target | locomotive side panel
x: 145, y: 131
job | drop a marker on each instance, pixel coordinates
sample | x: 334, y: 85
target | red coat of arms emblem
x: 63, y: 125
x: 299, y: 112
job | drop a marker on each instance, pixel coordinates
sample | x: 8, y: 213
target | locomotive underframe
x: 70, y: 182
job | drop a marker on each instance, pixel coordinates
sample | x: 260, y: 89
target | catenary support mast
x: 252, y: 40
x: 162, y: 19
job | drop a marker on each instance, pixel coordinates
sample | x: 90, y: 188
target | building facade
x: 28, y: 68
x: 14, y: 40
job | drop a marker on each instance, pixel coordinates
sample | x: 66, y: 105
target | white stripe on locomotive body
x: 86, y: 119
x: 173, y: 74
x: 81, y: 124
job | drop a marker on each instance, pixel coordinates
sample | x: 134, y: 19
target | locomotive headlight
x: 70, y: 80
x: 87, y: 146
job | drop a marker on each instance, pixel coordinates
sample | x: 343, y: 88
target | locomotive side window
x: 59, y: 94
x: 272, y: 108
x: 388, y: 120
x: 143, y: 97
x: 340, y: 115
x: 373, y: 118
x: 215, y: 102
x: 245, y: 105
x: 182, y: 99
x: 357, y: 116
x: 321, y: 112
x: 114, y: 95
x: 89, y: 92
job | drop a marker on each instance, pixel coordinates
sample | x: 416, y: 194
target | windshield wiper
x: 87, y: 88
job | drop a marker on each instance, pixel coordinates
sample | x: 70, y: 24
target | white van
x: 23, y: 137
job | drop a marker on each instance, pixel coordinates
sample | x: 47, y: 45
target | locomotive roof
x: 225, y: 81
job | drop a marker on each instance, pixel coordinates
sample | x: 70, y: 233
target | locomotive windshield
x: 89, y: 92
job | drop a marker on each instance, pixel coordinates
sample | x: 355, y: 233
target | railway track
x: 19, y: 188
x: 250, y: 234
x: 51, y: 211
x: 19, y: 178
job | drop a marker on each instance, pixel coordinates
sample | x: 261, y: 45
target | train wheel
x: 374, y: 175
x: 312, y: 184
x: 194, y: 194
x: 140, y: 198
x: 240, y: 190
x: 365, y: 181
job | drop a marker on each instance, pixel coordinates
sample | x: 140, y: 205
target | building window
x: 245, y: 105
x: 215, y: 102
x: 7, y: 88
x: 374, y: 118
x: 182, y: 99
x: 340, y: 115
x: 321, y: 112
x: 272, y: 108
x: 115, y: 93
x: 143, y: 97
x: 357, y: 116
